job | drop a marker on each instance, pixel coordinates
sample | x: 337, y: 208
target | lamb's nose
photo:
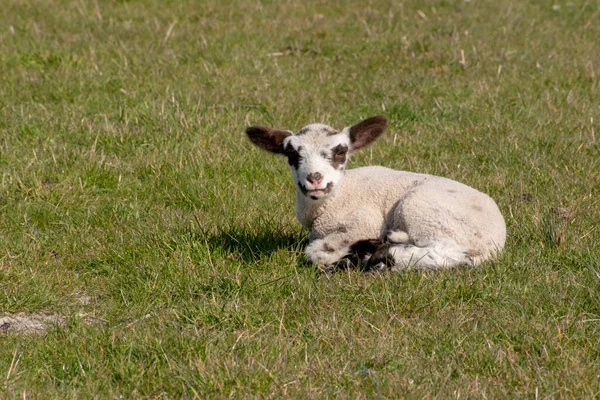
x: 314, y: 178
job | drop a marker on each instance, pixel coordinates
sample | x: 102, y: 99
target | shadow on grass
x: 249, y: 244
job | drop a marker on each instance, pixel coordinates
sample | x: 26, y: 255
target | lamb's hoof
x: 468, y: 261
x: 343, y: 264
x: 327, y: 268
x: 351, y: 261
x: 381, y: 260
x: 462, y: 259
x: 379, y: 267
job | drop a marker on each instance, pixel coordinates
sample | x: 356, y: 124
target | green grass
x: 125, y: 176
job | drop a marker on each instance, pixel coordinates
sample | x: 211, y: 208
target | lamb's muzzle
x: 376, y: 217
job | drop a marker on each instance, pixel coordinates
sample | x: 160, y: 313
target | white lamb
x: 379, y: 218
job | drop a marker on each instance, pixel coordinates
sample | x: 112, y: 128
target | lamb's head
x: 317, y: 153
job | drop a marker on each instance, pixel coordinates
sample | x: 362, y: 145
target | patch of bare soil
x: 25, y: 323
x: 29, y: 323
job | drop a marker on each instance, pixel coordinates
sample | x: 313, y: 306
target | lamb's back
x: 378, y: 186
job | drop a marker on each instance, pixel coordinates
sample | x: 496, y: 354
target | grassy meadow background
x: 132, y: 204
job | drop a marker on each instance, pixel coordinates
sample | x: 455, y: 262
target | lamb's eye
x: 338, y: 157
x: 339, y: 150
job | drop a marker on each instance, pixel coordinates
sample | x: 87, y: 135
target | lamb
x: 377, y: 218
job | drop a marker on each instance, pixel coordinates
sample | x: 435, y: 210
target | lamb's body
x: 379, y: 217
x: 429, y: 221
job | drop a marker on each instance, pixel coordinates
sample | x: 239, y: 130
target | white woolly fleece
x: 431, y: 221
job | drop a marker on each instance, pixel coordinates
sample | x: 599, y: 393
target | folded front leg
x: 327, y: 251
x: 347, y: 240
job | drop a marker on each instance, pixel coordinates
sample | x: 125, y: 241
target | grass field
x: 132, y: 205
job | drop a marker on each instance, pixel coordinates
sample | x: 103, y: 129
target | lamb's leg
x: 444, y: 223
x: 349, y: 244
x: 326, y: 251
x: 436, y: 254
x: 323, y: 252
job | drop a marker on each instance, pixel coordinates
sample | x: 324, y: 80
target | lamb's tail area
x: 437, y: 254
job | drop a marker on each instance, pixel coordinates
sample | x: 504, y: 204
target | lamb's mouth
x: 316, y: 193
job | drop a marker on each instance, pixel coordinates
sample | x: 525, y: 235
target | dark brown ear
x: 267, y: 138
x: 365, y: 132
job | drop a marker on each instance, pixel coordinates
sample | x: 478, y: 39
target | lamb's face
x: 317, y: 155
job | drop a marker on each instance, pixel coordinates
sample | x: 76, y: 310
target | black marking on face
x: 303, y: 188
x: 338, y: 156
x: 302, y: 131
x: 293, y: 155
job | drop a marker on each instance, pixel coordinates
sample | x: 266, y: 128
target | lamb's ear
x: 366, y: 132
x: 267, y: 138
